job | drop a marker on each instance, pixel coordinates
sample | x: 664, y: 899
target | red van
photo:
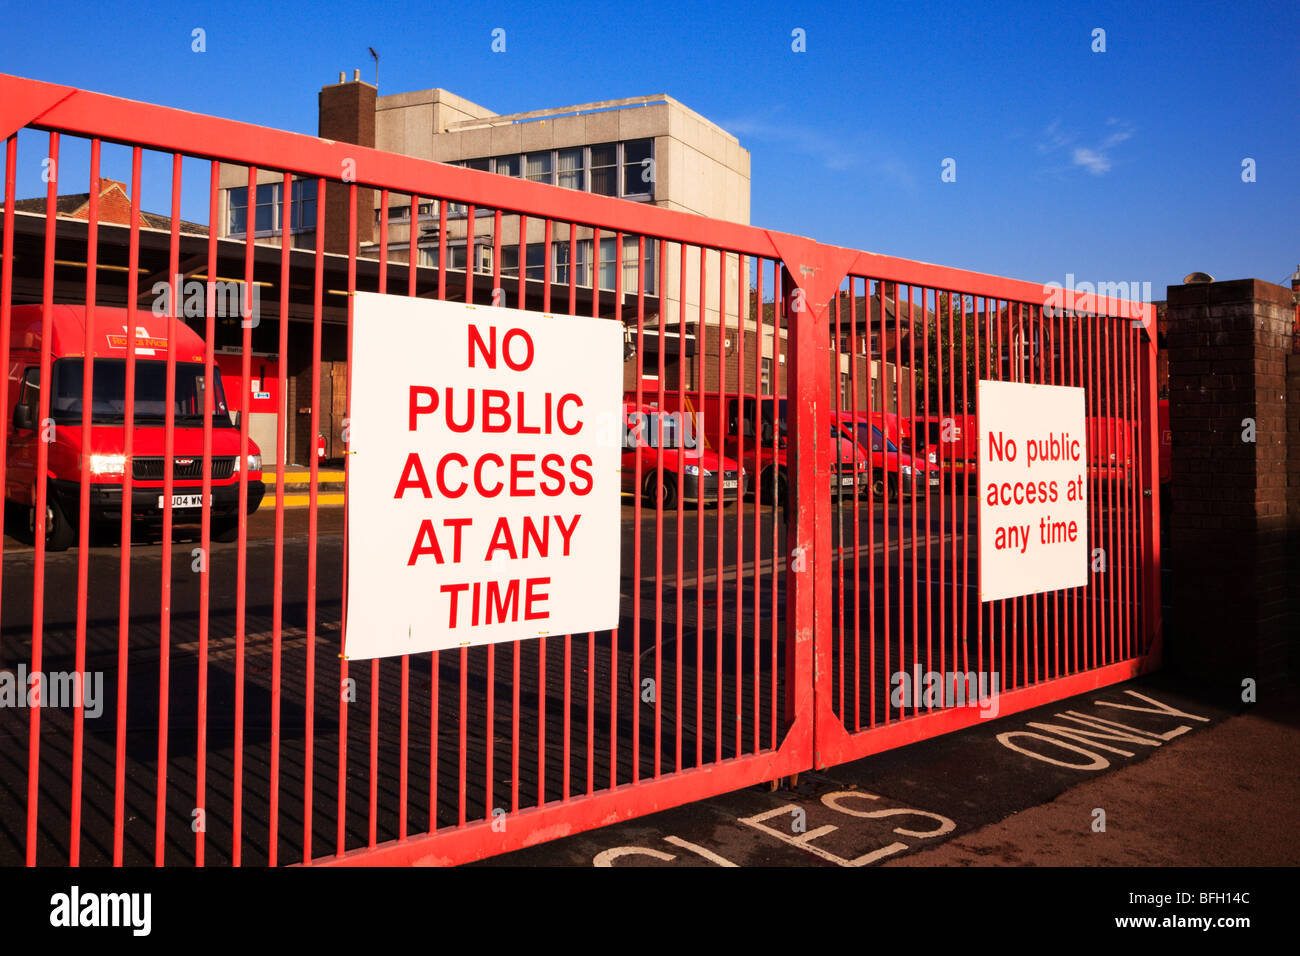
x: 888, y: 436
x: 690, y: 473
x: 753, y: 418
x: 101, y: 453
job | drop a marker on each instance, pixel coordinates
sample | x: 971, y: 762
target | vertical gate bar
x: 241, y: 547
x: 341, y: 839
x: 374, y: 670
x: 778, y: 313
x: 697, y: 436
x: 169, y: 448
x: 719, y: 571
x: 461, y: 724
x: 898, y: 418
x: 1126, y: 487
x: 442, y: 261
x: 613, y: 637
x: 966, y: 420
x: 911, y: 408
x: 659, y: 514
x: 547, y: 277
x: 921, y: 459
x: 6, y: 308
x: 309, y: 702
x: 1128, y: 424
x: 1094, y: 498
x: 205, y: 532
x: 740, y: 495
x: 83, y: 506
x: 1073, y: 352
x: 1112, y: 573
x: 572, y: 270
x: 946, y: 462
x: 128, y: 448
x: 591, y: 635
x: 857, y: 502
x: 886, y: 584
x: 1133, y: 430
x: 6, y: 313
x: 521, y: 300
x: 435, y: 679
x: 837, y: 409
x: 497, y: 298
x: 997, y: 609
x: 638, y: 438
x: 41, y: 503
x: 702, y: 348
x: 871, y: 483
x: 758, y: 503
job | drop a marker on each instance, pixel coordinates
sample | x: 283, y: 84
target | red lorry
x: 100, y: 453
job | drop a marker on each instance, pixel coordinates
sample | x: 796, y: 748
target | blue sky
x: 1117, y: 166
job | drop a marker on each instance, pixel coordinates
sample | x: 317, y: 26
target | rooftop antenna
x: 375, y: 56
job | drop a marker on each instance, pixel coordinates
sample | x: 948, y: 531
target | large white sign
x: 484, y: 500
x: 1033, y: 507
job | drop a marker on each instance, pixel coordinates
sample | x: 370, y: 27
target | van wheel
x: 59, y: 532
x: 224, y: 529
x: 665, y: 491
x: 878, y: 488
x: 774, y: 487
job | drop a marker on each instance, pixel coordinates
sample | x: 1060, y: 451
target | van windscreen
x: 108, y: 406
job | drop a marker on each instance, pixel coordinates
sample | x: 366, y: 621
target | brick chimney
x: 347, y: 115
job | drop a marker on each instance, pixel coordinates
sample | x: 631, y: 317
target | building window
x: 604, y: 169
x: 638, y: 167
x: 608, y: 264
x: 766, y: 376
x: 506, y: 166
x: 535, y: 269
x: 570, y: 166
x: 264, y: 217
x: 268, y: 217
x: 538, y: 168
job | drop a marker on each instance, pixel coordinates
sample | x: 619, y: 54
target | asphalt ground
x: 1187, y: 781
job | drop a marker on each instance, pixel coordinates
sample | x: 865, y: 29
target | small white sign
x: 1033, y: 509
x: 484, y: 499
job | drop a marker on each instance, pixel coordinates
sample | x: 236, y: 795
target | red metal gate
x: 755, y: 641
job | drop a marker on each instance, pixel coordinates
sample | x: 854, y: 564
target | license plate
x: 729, y: 484
x: 934, y: 479
x: 846, y: 480
x: 183, y: 501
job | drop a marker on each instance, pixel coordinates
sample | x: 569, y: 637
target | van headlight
x: 906, y: 471
x: 692, y: 470
x: 107, y: 464
x: 254, y: 463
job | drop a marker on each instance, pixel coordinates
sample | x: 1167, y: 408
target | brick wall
x: 1229, y: 349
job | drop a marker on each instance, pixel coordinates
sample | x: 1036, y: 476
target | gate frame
x: 812, y: 274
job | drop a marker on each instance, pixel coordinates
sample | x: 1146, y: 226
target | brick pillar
x: 347, y: 115
x: 1229, y: 347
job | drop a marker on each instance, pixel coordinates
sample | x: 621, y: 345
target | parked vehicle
x: 673, y: 466
x: 100, y: 454
x: 894, y: 462
x: 762, y: 423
